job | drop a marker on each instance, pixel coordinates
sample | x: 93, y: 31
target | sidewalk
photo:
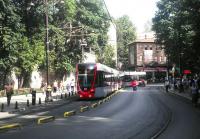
x: 11, y: 111
x: 186, y: 94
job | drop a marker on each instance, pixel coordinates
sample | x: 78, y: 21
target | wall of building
x: 146, y: 55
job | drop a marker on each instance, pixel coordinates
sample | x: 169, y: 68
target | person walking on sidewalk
x: 194, y: 89
x: 166, y: 84
x: 55, y: 86
x: 9, y: 92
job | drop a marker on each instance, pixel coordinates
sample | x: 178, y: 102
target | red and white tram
x: 95, y: 80
x: 129, y: 76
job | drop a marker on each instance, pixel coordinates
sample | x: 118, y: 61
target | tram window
x: 83, y: 69
x: 99, y: 79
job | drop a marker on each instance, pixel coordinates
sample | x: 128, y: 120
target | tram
x: 95, y: 80
x: 129, y: 76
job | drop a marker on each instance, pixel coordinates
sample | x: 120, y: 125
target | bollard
x: 27, y: 103
x: 2, y: 107
x: 40, y: 101
x: 33, y: 92
x: 16, y: 105
x: 45, y: 100
x: 65, y: 95
x: 61, y: 96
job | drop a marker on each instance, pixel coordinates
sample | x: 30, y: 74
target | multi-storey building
x: 146, y: 55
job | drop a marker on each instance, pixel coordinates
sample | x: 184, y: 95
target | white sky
x: 139, y: 11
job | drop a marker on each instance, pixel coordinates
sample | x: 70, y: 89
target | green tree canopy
x: 126, y: 33
x: 176, y: 24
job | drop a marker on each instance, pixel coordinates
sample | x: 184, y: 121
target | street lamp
x: 83, y: 44
x: 47, y: 45
x: 47, y: 41
x: 47, y: 38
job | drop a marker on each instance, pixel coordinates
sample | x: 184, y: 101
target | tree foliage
x: 126, y: 33
x: 22, y: 34
x: 176, y: 24
x: 108, y: 56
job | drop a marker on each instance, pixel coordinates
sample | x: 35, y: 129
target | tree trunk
x: 20, y: 81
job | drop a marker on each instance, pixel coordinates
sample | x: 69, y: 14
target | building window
x: 146, y: 48
x: 150, y: 48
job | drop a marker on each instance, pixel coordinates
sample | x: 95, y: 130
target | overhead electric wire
x: 109, y: 14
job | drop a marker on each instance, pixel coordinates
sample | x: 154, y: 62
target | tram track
x: 166, y: 124
x: 159, y: 121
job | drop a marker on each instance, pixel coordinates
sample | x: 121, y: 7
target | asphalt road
x: 140, y: 114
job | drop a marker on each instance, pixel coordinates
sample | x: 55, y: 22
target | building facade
x: 146, y: 55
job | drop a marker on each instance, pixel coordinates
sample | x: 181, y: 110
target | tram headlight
x: 92, y: 90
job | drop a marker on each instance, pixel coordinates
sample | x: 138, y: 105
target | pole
x: 82, y: 48
x: 167, y: 66
x: 47, y: 40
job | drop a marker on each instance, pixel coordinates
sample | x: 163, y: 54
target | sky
x: 139, y: 11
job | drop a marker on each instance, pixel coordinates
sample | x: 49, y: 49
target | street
x: 146, y: 113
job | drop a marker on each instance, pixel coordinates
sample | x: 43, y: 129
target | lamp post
x: 83, y: 44
x: 47, y: 41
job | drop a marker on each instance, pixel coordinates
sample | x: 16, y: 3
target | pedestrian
x: 167, y: 85
x: 9, y: 92
x: 61, y: 86
x: 72, y: 85
x: 134, y: 85
x: 194, y: 90
x: 181, y: 88
x: 55, y: 86
x: 68, y: 86
x: 43, y: 86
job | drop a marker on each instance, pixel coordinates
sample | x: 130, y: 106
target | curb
x: 82, y: 109
x: 177, y: 94
x: 45, y: 119
x: 69, y: 113
x: 172, y: 92
x: 10, y: 126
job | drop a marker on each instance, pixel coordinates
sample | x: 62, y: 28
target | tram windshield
x: 85, y: 76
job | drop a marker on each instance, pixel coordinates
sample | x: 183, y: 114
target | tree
x: 126, y: 33
x: 93, y: 16
x: 10, y: 29
x: 22, y: 34
x: 176, y: 24
x: 108, y: 56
